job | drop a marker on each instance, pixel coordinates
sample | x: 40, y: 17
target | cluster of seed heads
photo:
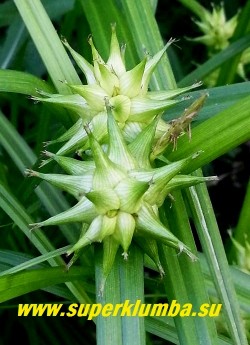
x: 120, y: 137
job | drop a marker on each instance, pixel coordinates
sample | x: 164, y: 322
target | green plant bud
x: 108, y: 226
x: 101, y: 227
x: 83, y: 211
x: 75, y: 103
x: 93, y: 234
x: 97, y: 59
x: 130, y: 192
x: 180, y: 182
x: 184, y: 181
x: 125, y: 227
x: 104, y: 200
x: 82, y: 63
x: 120, y: 133
x: 107, y: 173
x: 98, y: 126
x: 150, y: 248
x: 217, y: 30
x: 70, y: 165
x: 74, y: 143
x: 162, y: 176
x: 108, y: 81
x: 75, y: 185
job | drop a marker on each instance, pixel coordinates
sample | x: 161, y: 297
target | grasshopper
x: 178, y: 127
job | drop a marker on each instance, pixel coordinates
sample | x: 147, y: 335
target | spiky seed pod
x: 217, y: 31
x: 118, y: 189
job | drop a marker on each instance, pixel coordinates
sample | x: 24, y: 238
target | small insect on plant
x: 179, y: 126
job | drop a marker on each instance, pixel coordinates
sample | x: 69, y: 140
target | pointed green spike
x: 79, y: 252
x: 83, y: 211
x: 180, y: 182
x: 148, y: 223
x: 161, y: 95
x: 130, y: 81
x: 162, y: 176
x: 98, y: 127
x: 97, y: 59
x: 108, y: 226
x: 82, y: 63
x: 115, y: 60
x: 75, y: 103
x: 118, y: 150
x: 125, y: 227
x: 149, y: 247
x: 74, y: 143
x: 75, y: 185
x: 70, y: 165
x: 151, y: 65
x: 130, y: 192
x: 91, y: 235
x: 141, y: 147
x: 108, y: 80
x: 143, y: 109
x: 100, y: 228
x: 184, y: 181
x: 164, y: 173
x: 107, y: 173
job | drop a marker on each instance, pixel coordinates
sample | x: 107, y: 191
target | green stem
x: 195, y: 7
x: 212, y: 245
x: 244, y: 219
x: 242, y: 228
x: 131, y: 274
x: 191, y: 271
x: 124, y: 283
x: 108, y: 329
